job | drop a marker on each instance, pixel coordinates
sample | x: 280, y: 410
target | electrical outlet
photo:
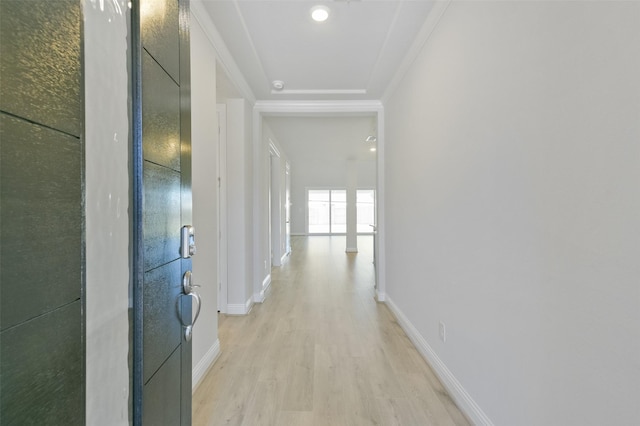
x: 442, y: 331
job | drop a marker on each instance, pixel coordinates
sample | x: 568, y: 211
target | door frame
x: 275, y: 212
x: 322, y: 109
x: 223, y: 248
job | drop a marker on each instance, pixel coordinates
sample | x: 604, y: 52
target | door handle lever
x: 189, y: 290
x: 187, y: 283
x: 188, y: 329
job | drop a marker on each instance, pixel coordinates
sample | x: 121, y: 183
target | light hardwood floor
x: 320, y: 351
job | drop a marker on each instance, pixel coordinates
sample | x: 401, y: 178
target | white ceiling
x: 324, y: 139
x: 351, y: 56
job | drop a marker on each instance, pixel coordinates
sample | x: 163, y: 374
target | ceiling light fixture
x: 278, y: 84
x: 372, y: 149
x: 319, y: 13
x: 371, y: 139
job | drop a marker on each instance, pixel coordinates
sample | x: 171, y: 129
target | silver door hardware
x: 187, y: 283
x: 189, y: 290
x: 187, y: 242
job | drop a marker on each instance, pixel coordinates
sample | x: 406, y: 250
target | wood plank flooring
x: 320, y: 351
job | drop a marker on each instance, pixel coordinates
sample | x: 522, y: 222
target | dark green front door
x: 42, y: 361
x: 162, y: 206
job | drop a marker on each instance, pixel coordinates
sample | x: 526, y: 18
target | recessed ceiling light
x: 371, y: 138
x: 372, y: 149
x: 278, y: 84
x: 319, y: 13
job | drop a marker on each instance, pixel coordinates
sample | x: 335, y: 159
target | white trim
x: 430, y: 24
x: 317, y: 108
x: 266, y: 287
x: 385, y: 43
x: 273, y: 149
x: 225, y: 59
x: 319, y: 92
x: 266, y: 282
x: 284, y: 257
x: 236, y: 309
x: 457, y: 392
x: 351, y: 250
x: 250, y: 39
x: 240, y: 308
x: 223, y: 229
x: 199, y: 371
x: 379, y: 239
x: 259, y: 258
x: 380, y: 296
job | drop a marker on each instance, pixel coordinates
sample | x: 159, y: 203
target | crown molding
x: 318, y: 107
x: 431, y: 23
x: 319, y: 92
x: 225, y: 59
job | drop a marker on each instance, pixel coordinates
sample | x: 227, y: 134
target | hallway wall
x: 204, y: 142
x: 513, y: 207
x: 311, y: 174
x: 239, y: 206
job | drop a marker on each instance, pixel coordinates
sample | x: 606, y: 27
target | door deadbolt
x: 187, y: 242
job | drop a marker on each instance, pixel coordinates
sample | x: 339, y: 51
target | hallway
x: 320, y: 351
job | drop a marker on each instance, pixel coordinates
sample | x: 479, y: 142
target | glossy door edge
x: 137, y: 243
x: 83, y: 225
x: 186, y: 195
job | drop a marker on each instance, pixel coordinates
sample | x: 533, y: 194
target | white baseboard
x: 236, y: 309
x: 299, y: 234
x: 204, y: 364
x: 240, y: 308
x: 351, y: 250
x: 284, y: 258
x: 266, y: 285
x: 380, y: 296
x: 457, y: 392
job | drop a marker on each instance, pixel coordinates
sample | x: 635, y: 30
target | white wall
x: 204, y: 146
x: 513, y: 207
x: 239, y: 207
x: 326, y: 174
x: 249, y: 196
x: 261, y: 169
x: 107, y: 214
